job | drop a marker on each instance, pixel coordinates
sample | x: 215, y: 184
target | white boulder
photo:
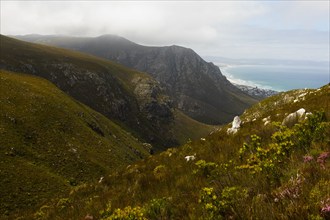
x: 294, y: 117
x: 236, y: 124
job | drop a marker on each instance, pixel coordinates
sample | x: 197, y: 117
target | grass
x: 49, y: 143
x: 272, y: 181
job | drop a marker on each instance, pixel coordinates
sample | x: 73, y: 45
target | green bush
x: 158, y: 209
x: 128, y: 213
x: 160, y: 172
x: 228, y: 203
x: 205, y: 168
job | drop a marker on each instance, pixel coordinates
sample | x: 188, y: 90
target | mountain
x: 274, y: 166
x: 131, y: 98
x: 197, y: 88
x: 49, y: 143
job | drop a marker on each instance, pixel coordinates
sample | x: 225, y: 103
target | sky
x: 293, y: 30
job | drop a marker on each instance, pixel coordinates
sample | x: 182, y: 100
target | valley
x: 116, y: 130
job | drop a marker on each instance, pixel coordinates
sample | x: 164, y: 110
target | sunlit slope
x: 49, y: 143
x: 276, y: 166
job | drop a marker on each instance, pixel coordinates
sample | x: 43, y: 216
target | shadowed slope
x: 197, y: 88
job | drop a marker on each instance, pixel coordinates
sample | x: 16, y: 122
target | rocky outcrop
x: 152, y: 100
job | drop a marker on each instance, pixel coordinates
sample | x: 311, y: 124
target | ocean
x: 277, y: 77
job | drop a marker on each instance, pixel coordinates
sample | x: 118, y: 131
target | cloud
x: 223, y: 28
x: 169, y: 19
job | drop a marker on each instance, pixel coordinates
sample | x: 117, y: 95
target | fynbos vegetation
x: 263, y: 171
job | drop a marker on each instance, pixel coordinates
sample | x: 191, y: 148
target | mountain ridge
x: 197, y: 87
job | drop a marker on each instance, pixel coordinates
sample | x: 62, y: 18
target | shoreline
x: 276, y: 77
x: 224, y: 68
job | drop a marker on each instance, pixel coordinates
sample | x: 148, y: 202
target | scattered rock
x: 101, y: 179
x: 190, y: 158
x: 266, y: 120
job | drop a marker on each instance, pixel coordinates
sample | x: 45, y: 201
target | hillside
x: 50, y: 143
x: 197, y: 87
x: 131, y: 98
x: 272, y: 163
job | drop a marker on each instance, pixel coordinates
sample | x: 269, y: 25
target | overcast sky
x: 235, y: 29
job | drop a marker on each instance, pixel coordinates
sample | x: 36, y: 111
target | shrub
x: 312, y: 129
x: 271, y: 157
x: 63, y: 203
x: 160, y: 172
x: 210, y: 203
x: 158, y: 209
x: 319, y: 196
x: 106, y: 212
x: 205, y: 168
x: 42, y: 213
x: 228, y: 203
x: 128, y: 213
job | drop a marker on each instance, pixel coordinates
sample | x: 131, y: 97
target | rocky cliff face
x: 197, y: 88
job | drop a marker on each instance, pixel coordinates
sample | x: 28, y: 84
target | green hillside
x: 50, y: 143
x: 276, y: 166
x: 131, y: 98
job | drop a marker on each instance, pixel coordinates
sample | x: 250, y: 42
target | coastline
x: 276, y: 77
x: 225, y: 70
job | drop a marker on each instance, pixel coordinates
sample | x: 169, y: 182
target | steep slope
x: 268, y: 169
x: 129, y: 97
x: 197, y: 88
x: 49, y: 143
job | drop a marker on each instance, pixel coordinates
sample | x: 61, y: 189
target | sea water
x: 278, y: 77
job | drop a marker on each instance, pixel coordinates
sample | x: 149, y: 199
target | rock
x: 266, y: 120
x: 300, y: 112
x: 101, y: 179
x: 190, y: 158
x: 236, y: 124
x: 294, y: 117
